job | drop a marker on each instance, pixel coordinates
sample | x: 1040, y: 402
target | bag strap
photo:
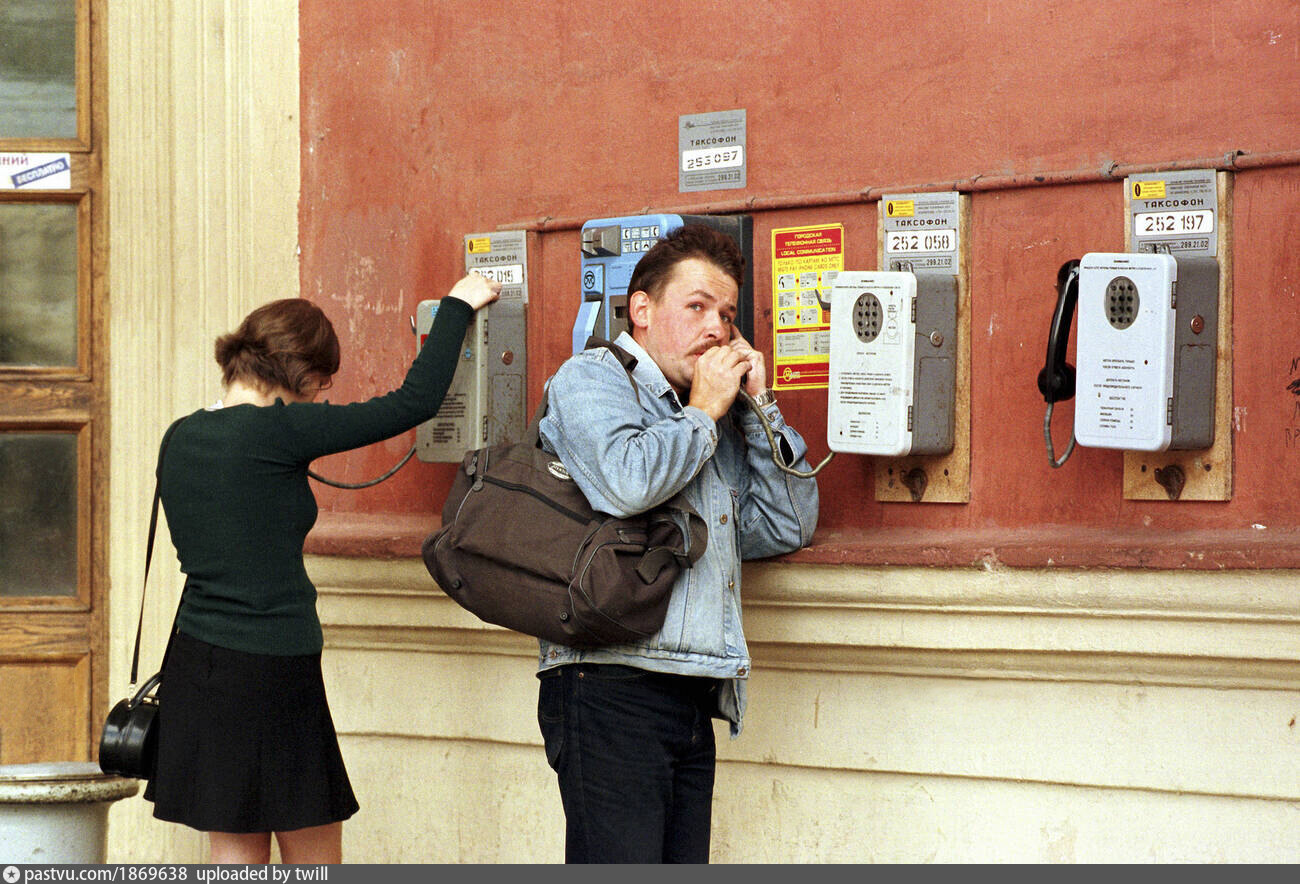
x: 625, y: 359
x: 697, y: 532
x: 148, y: 558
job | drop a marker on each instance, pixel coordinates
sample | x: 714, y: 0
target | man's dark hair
x: 691, y: 241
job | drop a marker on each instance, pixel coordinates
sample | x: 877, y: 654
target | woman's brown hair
x: 282, y: 344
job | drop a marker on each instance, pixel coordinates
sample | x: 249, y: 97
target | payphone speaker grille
x: 1121, y: 302
x: 867, y: 317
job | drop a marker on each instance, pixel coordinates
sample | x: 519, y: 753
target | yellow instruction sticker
x: 900, y: 208
x: 1148, y: 190
x: 478, y: 245
x: 805, y: 262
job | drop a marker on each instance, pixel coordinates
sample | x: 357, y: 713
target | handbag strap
x: 625, y: 359
x: 696, y: 538
x: 148, y: 555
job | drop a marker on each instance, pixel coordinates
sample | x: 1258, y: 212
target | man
x: 628, y: 728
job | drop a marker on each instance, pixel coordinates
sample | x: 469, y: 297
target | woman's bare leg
x: 318, y: 845
x: 251, y: 848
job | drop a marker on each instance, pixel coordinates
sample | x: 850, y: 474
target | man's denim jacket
x: 630, y: 452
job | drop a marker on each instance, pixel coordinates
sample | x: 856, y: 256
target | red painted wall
x: 423, y: 121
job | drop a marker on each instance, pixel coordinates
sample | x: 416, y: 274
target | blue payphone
x: 611, y: 248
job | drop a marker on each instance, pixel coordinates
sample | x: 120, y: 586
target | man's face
x: 696, y: 311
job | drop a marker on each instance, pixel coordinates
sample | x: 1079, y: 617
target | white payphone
x: 1145, y: 348
x: 892, y: 364
x: 1147, y: 342
x: 872, y: 345
x: 893, y: 359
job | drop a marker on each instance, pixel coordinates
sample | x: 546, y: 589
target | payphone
x: 893, y: 359
x: 1146, y: 345
x: 611, y: 248
x: 1145, y: 350
x: 892, y: 363
x: 485, y: 403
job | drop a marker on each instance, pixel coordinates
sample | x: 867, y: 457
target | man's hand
x: 756, y: 377
x: 717, y: 380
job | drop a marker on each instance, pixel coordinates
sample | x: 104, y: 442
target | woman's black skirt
x: 246, y: 743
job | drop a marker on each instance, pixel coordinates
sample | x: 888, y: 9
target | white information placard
x: 711, y: 151
x: 35, y: 171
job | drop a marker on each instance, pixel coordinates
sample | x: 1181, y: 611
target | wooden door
x: 53, y: 384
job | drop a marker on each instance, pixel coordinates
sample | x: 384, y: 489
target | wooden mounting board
x: 947, y: 476
x: 1207, y: 472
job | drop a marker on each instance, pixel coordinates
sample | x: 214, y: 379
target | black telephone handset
x: 1056, y: 380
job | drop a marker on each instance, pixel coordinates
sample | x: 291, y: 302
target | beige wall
x: 203, y: 190
x: 900, y: 715
x: 897, y: 715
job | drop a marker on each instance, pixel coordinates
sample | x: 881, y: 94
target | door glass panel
x: 38, y: 284
x: 38, y: 69
x: 38, y: 514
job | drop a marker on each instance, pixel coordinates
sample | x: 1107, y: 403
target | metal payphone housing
x: 921, y: 248
x: 485, y: 404
x: 1146, y: 351
x: 892, y: 363
x: 611, y: 248
x: 461, y: 422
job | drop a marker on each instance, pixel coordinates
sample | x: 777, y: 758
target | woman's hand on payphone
x: 476, y: 290
x: 756, y: 378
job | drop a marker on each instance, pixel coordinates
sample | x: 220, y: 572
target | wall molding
x: 1237, y: 630
x: 979, y: 182
x: 400, y: 535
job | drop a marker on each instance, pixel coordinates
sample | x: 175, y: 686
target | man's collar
x: 646, y: 371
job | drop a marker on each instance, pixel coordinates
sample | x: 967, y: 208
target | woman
x: 247, y: 746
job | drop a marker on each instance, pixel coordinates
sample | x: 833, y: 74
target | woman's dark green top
x: 235, y: 491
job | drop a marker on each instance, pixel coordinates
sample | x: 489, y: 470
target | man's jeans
x: 635, y: 756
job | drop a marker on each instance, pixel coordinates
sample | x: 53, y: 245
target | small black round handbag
x: 128, y: 746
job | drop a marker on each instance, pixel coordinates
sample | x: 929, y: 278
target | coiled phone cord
x: 354, y: 485
x: 776, y: 449
x: 1051, y: 449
